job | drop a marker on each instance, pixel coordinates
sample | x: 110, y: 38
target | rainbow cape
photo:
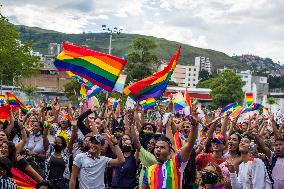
x: 155, y: 85
x: 99, y: 68
x: 15, y: 102
x: 249, y: 98
x: 147, y: 104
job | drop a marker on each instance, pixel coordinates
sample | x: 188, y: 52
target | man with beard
x: 90, y: 166
x: 168, y: 172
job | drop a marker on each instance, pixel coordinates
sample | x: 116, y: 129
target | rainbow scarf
x: 15, y: 102
x: 154, y: 174
x: 154, y: 85
x: 249, y: 98
x: 99, y: 68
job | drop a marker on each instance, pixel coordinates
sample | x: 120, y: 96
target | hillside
x: 121, y: 46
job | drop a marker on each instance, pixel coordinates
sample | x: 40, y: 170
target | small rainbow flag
x: 147, y: 104
x: 229, y: 107
x: 15, y: 102
x: 83, y: 91
x: 112, y: 102
x: 119, y: 85
x: 253, y: 107
x: 249, y: 98
x: 187, y: 98
x: 93, y: 91
x: 99, y: 68
x: 179, y: 102
x: 236, y: 111
x: 2, y: 100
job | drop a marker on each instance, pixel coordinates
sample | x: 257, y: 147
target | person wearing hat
x: 158, y: 175
x: 218, y: 146
x: 6, y: 175
x: 90, y: 166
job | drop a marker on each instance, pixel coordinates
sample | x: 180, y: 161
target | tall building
x: 54, y: 48
x: 204, y: 63
x: 184, y: 76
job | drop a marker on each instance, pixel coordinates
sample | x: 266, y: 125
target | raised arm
x: 20, y: 146
x: 187, y: 149
x: 116, y: 150
x: 11, y: 124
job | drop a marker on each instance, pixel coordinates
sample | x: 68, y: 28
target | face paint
x: 148, y: 132
x: 118, y: 134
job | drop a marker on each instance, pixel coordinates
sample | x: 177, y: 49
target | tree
x: 225, y: 88
x: 15, y: 58
x: 29, y: 90
x: 204, y: 75
x: 271, y: 101
x: 70, y: 88
x: 141, y: 61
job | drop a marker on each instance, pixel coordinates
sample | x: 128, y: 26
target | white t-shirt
x: 35, y: 143
x: 91, y: 171
x: 278, y: 174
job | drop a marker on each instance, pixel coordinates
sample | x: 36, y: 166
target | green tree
x: 29, y: 90
x: 225, y: 88
x: 70, y: 88
x: 204, y: 75
x: 15, y: 58
x: 271, y: 101
x: 141, y: 61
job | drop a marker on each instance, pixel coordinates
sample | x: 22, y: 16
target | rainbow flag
x: 147, y: 104
x: 99, y: 68
x: 152, y: 86
x: 112, y: 102
x: 253, y: 107
x: 93, y: 91
x: 177, y: 141
x: 179, y: 102
x: 22, y: 180
x: 187, y: 98
x: 4, y: 113
x: 236, y: 111
x: 15, y: 102
x: 119, y: 85
x: 249, y: 98
x: 229, y: 107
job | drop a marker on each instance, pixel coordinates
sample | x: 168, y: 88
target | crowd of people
x: 58, y: 147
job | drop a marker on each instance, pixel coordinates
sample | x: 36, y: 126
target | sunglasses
x: 186, y: 127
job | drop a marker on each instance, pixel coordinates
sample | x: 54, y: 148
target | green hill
x: 121, y: 46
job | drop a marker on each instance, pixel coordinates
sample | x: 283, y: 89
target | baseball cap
x: 219, y: 138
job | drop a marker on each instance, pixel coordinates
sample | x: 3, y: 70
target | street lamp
x: 111, y: 31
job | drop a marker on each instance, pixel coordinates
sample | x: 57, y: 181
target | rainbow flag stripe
x: 179, y: 102
x: 99, y: 68
x: 155, y: 85
x: 253, y: 107
x: 172, y: 174
x: 177, y: 141
x: 15, y: 102
x: 120, y: 83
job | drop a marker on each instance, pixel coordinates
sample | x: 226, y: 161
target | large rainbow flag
x: 99, y: 68
x: 155, y: 85
x: 15, y: 102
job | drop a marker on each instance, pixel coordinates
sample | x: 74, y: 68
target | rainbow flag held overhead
x: 15, y: 102
x: 99, y: 68
x: 147, y: 104
x: 254, y: 106
x: 154, y: 85
x: 237, y: 110
x: 2, y: 100
x: 119, y: 85
x: 229, y: 107
x: 249, y: 98
x: 187, y: 98
x: 178, y: 102
x: 112, y: 102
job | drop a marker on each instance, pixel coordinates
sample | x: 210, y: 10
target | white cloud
x: 230, y: 26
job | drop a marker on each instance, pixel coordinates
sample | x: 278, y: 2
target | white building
x: 54, y: 48
x: 38, y: 54
x: 204, y: 63
x: 184, y: 75
x: 255, y: 84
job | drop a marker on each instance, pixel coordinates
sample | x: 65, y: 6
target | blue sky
x: 230, y: 26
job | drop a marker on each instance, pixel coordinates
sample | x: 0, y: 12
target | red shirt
x: 205, y: 158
